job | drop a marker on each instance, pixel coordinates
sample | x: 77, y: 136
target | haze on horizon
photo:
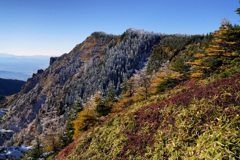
x: 55, y: 27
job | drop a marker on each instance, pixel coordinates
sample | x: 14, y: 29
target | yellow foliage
x: 213, y: 46
x: 218, y: 40
x: 123, y: 103
x: 189, y: 63
x: 167, y: 50
x: 196, y: 62
x: 117, y: 108
x: 212, y: 54
x: 175, y: 75
x: 235, y: 54
x: 49, y: 148
x: 155, y: 84
x: 215, y: 50
x: 196, y: 75
x: 231, y: 43
x: 204, y: 67
x: 85, y: 120
x: 199, y: 55
x: 137, y: 98
x: 159, y: 77
x: 228, y: 54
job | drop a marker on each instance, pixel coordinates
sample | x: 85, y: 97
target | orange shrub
x: 85, y: 120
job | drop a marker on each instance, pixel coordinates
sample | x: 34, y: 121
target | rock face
x: 43, y: 104
x: 14, y: 152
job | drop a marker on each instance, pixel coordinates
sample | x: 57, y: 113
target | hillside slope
x: 188, y: 109
x: 195, y: 120
x: 43, y: 105
x: 133, y: 96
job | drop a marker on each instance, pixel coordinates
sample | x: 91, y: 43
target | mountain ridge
x: 135, y: 88
x: 60, y: 79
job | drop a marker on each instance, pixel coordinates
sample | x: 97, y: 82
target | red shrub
x: 223, y: 91
x: 67, y: 151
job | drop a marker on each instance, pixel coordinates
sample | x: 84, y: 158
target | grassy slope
x: 196, y: 120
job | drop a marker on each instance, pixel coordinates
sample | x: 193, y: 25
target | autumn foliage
x: 183, y: 110
x: 85, y: 120
x: 219, y: 55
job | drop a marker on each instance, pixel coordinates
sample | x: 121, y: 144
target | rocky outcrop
x: 14, y: 152
x: 43, y: 104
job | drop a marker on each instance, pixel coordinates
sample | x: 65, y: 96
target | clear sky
x: 54, y: 27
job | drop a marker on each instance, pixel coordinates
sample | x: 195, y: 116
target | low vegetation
x: 180, y: 116
x: 184, y: 103
x: 198, y: 121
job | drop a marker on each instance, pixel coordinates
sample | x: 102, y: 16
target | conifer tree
x: 110, y: 92
x: 224, y: 47
x: 124, y: 85
x: 128, y: 87
x: 238, y: 11
x: 37, y: 150
x: 145, y: 83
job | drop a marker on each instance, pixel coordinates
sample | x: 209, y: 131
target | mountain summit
x: 139, y: 95
x: 43, y: 105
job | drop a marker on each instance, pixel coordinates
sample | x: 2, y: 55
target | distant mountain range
x: 21, y: 67
x: 9, y: 86
x: 14, y: 75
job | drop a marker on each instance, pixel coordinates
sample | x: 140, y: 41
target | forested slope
x: 139, y: 95
x: 188, y: 109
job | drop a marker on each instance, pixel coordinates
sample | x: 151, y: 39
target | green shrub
x: 179, y: 66
x: 166, y: 85
x: 102, y: 109
x: 36, y: 152
x: 212, y: 62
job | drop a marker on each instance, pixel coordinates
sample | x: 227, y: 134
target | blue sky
x: 54, y: 27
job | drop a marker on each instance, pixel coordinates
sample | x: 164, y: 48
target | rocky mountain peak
x: 43, y: 105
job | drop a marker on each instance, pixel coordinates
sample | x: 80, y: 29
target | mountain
x: 43, y: 104
x: 14, y: 75
x: 188, y: 108
x: 139, y: 95
x: 192, y: 120
x: 21, y: 67
x: 9, y: 87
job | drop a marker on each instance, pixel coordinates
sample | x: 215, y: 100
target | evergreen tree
x: 145, y: 83
x: 238, y: 11
x: 224, y: 47
x: 37, y: 150
x: 128, y: 87
x: 124, y: 85
x: 66, y: 137
x: 179, y: 65
x: 110, y: 92
x: 102, y: 109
